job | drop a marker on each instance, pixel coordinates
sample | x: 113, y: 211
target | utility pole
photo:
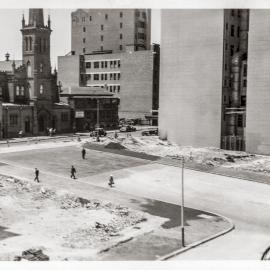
x: 98, y: 120
x: 182, y: 204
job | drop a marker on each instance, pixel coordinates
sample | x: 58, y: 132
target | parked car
x: 99, y: 131
x: 127, y: 128
x: 150, y: 132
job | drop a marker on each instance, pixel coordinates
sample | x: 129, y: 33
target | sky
x: 11, y: 38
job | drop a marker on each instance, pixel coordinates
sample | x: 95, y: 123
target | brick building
x: 110, y: 29
x: 30, y: 101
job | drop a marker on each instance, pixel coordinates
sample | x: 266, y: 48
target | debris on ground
x: 32, y: 255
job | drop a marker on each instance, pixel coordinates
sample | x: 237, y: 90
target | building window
x: 240, y: 120
x: 84, y: 29
x: 83, y: 19
x: 119, y: 64
x: 137, y: 13
x: 120, y: 47
x: 105, y: 76
x: 41, y: 89
x: 64, y: 116
x: 101, y: 27
x: 88, y: 64
x: 105, y: 64
x: 90, y: 18
x: 232, y: 50
x: 96, y: 77
x: 106, y: 16
x: 244, y: 83
x: 224, y: 99
x: 226, y: 26
x: 102, y: 64
x: 17, y: 90
x: 121, y: 25
x: 225, y: 66
x: 41, y: 67
x: 22, y: 90
x: 121, y: 14
x: 114, y: 76
x: 144, y: 15
x: 96, y: 64
x: 101, y: 48
x: 121, y: 36
x: 238, y: 31
x: 232, y: 12
x: 111, y: 76
x: 118, y: 90
x: 83, y: 40
x: 102, y: 77
x: 13, y: 119
x: 101, y: 38
x: 83, y: 50
x: 141, y: 36
x: 245, y: 71
x: 239, y: 13
x: 232, y: 30
x: 141, y: 24
x: 226, y: 46
x: 119, y: 76
x: 243, y: 101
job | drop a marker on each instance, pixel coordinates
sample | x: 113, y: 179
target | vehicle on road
x: 127, y: 128
x: 98, y: 131
x: 150, y: 132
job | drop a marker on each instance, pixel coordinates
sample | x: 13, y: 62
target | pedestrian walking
x: 72, y: 172
x: 83, y: 153
x: 36, y: 175
x: 111, y: 181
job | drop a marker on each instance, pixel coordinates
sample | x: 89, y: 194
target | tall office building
x: 110, y: 30
x: 214, y: 86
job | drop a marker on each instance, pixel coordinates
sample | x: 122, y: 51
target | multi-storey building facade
x: 204, y: 78
x: 110, y: 29
x: 131, y: 76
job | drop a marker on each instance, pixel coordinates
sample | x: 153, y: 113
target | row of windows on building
x: 102, y: 37
x: 13, y: 118
x: 228, y: 83
x: 103, y: 76
x: 232, y: 32
x: 233, y: 13
x: 20, y: 90
x: 41, y: 42
x: 113, y: 88
x: 106, y: 16
x: 103, y: 64
x: 102, y: 48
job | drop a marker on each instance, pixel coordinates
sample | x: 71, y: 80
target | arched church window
x: 22, y: 90
x: 26, y: 43
x: 41, y: 89
x: 29, y: 69
x: 30, y: 43
x: 17, y: 90
x: 44, y: 45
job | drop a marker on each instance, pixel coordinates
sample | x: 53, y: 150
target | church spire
x: 23, y: 21
x: 36, y: 17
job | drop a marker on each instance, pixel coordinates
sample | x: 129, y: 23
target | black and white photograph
x: 134, y: 133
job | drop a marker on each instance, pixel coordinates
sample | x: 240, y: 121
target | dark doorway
x: 27, y: 125
x: 41, y: 124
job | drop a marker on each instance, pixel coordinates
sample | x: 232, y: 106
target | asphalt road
x: 246, y: 203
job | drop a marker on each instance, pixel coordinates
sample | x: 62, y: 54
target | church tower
x: 36, y: 55
x: 36, y: 59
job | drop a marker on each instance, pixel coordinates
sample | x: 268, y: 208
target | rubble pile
x: 32, y: 255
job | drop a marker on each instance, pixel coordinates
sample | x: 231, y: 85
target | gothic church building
x: 29, y: 91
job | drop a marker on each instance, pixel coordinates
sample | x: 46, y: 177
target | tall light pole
x: 98, y: 120
x: 182, y: 204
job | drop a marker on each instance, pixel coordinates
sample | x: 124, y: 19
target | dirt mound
x: 115, y: 145
x: 32, y: 255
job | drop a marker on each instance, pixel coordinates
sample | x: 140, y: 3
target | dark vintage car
x: 150, y: 132
x: 127, y: 128
x: 99, y: 131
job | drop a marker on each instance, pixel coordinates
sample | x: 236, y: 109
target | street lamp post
x: 98, y: 120
x: 182, y: 204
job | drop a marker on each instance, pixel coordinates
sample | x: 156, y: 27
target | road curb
x: 198, y: 243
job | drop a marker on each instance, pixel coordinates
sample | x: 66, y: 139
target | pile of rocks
x: 32, y: 255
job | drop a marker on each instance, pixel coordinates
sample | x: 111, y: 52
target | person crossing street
x: 72, y: 172
x: 36, y: 175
